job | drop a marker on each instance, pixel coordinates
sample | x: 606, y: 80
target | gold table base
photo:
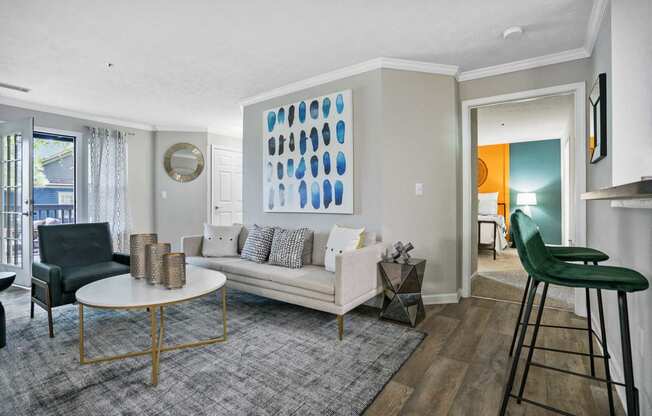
x: 156, y: 335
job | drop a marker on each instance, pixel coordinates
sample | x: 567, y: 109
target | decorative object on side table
x: 154, y: 261
x: 137, y: 244
x: 174, y: 270
x: 402, y: 290
x: 6, y: 280
x: 401, y: 251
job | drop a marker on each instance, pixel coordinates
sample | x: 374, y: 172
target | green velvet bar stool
x: 584, y: 255
x: 544, y: 268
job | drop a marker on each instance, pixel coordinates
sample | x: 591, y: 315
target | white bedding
x: 487, y: 231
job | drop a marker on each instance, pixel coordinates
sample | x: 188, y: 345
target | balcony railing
x: 62, y: 214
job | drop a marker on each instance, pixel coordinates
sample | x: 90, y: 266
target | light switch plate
x: 164, y: 194
x: 418, y: 189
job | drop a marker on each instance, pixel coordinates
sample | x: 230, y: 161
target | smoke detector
x: 513, y: 32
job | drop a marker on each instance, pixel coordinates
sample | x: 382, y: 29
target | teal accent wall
x: 536, y: 167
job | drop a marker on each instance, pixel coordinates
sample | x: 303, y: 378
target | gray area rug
x: 280, y: 359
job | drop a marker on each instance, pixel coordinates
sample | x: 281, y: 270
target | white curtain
x: 107, y: 190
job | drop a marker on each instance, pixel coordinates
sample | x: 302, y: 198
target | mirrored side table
x: 402, y: 291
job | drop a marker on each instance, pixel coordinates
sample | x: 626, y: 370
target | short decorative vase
x: 174, y: 270
x: 154, y: 262
x: 137, y: 244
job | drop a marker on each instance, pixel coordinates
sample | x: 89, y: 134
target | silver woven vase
x: 137, y: 244
x: 154, y: 262
x: 174, y: 270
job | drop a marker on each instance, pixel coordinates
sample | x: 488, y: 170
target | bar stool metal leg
x: 626, y: 342
x: 520, y: 314
x: 533, y: 343
x: 605, y: 353
x: 519, y: 347
x: 589, y: 322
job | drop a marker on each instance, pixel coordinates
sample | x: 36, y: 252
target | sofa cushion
x: 220, y: 241
x: 287, y: 248
x: 214, y: 263
x: 75, y: 277
x: 252, y: 282
x: 258, y: 244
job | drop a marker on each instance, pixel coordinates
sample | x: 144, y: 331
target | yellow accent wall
x: 496, y: 157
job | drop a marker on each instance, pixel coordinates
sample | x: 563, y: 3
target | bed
x: 492, y: 228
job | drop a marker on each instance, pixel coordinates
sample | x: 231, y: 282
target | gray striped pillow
x: 258, y: 244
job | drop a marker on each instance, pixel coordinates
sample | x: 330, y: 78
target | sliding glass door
x: 15, y: 188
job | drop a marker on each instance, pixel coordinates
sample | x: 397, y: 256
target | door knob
x: 216, y: 207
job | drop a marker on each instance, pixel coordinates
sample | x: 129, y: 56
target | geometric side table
x: 402, y: 291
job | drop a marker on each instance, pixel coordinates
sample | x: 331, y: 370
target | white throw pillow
x: 340, y: 240
x: 488, y: 203
x: 220, y: 240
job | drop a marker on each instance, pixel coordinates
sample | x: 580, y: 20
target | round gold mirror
x: 483, y: 172
x: 183, y: 162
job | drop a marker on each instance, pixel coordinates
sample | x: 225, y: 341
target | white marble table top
x: 124, y: 291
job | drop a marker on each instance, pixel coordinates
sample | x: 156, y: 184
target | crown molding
x: 187, y: 129
x: 76, y: 114
x: 349, y: 71
x: 595, y: 21
x: 554, y: 58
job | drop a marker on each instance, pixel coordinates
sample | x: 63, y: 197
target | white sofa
x: 355, y: 281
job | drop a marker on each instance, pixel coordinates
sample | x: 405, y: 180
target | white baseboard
x: 440, y: 298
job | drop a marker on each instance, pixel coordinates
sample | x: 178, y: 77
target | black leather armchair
x: 72, y: 255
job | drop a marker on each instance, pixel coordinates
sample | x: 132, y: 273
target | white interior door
x: 16, y: 199
x: 226, y: 186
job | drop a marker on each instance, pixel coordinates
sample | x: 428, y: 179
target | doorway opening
x: 225, y: 186
x: 570, y: 224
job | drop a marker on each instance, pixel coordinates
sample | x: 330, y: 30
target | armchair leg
x: 31, y: 305
x: 340, y: 326
x: 47, y: 305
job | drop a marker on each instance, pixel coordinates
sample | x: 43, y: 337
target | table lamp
x: 526, y: 199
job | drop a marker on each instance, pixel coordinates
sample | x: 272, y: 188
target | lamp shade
x: 526, y: 198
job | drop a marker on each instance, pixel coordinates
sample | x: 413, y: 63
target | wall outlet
x: 418, y: 189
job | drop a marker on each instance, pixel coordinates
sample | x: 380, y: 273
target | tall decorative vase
x: 154, y: 261
x: 174, y: 270
x: 137, y: 243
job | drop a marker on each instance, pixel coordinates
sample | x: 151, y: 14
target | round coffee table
x: 6, y: 280
x: 125, y: 292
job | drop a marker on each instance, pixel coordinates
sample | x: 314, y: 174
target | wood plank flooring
x: 460, y: 367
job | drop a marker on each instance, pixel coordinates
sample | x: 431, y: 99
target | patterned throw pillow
x: 287, y: 248
x: 220, y: 241
x: 258, y: 244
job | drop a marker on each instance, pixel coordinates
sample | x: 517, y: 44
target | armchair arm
x: 50, y: 274
x: 191, y: 245
x: 356, y: 273
x: 122, y: 258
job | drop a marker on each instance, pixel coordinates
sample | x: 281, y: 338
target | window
x: 66, y: 198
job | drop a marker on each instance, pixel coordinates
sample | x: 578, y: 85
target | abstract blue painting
x: 304, y: 170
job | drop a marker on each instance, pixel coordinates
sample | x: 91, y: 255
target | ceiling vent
x: 13, y: 87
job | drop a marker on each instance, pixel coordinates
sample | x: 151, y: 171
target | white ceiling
x: 538, y: 119
x: 188, y: 63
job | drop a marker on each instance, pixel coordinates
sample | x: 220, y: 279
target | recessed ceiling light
x: 13, y: 87
x: 513, y: 32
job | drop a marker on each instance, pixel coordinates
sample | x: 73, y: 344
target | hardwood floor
x: 459, y: 368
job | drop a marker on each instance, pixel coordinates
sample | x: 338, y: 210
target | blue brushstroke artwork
x: 327, y: 163
x: 270, y: 199
x: 289, y: 196
x: 268, y: 172
x: 314, y: 195
x: 271, y: 146
x: 339, y: 192
x: 314, y: 166
x: 281, y: 194
x: 339, y: 103
x: 271, y: 121
x: 302, y: 142
x: 328, y: 193
x: 326, y: 107
x: 301, y: 169
x: 314, y: 138
x: 279, y: 170
x: 340, y: 162
x: 340, y: 131
x: 291, y: 115
x: 290, y: 164
x: 326, y: 134
x: 314, y: 109
x: 281, y: 144
x: 303, y: 194
x: 302, y: 111
x: 291, y: 142
x: 281, y: 116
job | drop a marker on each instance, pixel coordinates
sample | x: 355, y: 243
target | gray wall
x: 140, y: 147
x: 626, y: 235
x: 406, y: 131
